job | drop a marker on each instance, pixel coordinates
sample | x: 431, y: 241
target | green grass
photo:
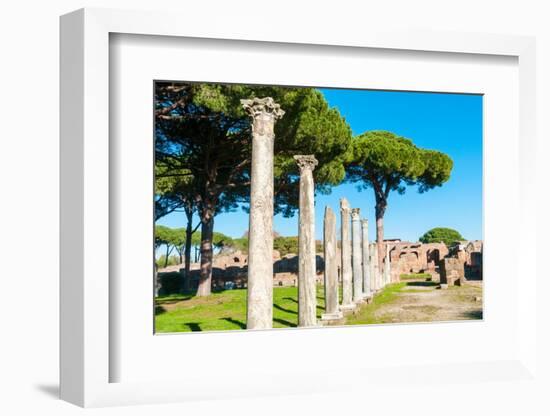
x: 225, y: 310
x: 367, y: 314
x: 415, y: 276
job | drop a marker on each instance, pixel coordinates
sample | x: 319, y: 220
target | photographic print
x: 301, y: 207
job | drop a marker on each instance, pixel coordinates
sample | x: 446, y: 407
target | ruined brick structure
x: 463, y: 262
x: 407, y: 257
x: 451, y: 271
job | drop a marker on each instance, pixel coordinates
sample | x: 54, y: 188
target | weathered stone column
x: 331, y: 267
x: 388, y: 256
x: 371, y: 269
x: 376, y: 271
x: 307, y: 296
x: 264, y: 113
x: 347, y: 284
x: 366, y: 260
x: 387, y: 265
x: 356, y: 256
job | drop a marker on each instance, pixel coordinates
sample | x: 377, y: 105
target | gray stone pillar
x: 331, y: 267
x: 347, y: 284
x: 377, y: 279
x: 366, y: 257
x: 387, y: 266
x: 356, y: 256
x: 307, y: 296
x: 264, y: 113
x: 372, y: 261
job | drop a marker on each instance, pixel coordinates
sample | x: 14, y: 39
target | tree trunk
x: 380, y: 210
x: 207, y: 252
x: 167, y: 254
x: 186, y: 284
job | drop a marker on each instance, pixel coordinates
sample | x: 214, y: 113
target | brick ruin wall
x: 405, y: 257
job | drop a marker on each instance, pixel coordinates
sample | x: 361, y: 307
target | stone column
x: 388, y: 264
x: 264, y: 113
x: 372, y: 261
x: 374, y: 267
x: 347, y: 284
x: 356, y: 256
x: 307, y: 293
x: 366, y: 255
x: 331, y: 267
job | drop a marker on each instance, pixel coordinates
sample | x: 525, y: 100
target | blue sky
x: 451, y: 123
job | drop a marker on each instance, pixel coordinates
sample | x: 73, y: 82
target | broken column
x: 387, y: 265
x: 377, y: 280
x: 264, y: 113
x: 357, y: 256
x: 307, y: 296
x: 347, y: 285
x: 366, y: 255
x: 331, y: 267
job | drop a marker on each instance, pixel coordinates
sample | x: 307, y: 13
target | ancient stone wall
x: 407, y: 257
x: 451, y: 271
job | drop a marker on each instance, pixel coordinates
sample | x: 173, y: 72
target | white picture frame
x: 85, y: 182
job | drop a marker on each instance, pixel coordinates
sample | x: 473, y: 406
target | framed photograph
x: 280, y: 213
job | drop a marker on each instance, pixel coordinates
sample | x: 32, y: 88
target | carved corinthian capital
x: 306, y: 162
x: 355, y: 214
x: 365, y: 222
x: 344, y: 205
x: 256, y: 107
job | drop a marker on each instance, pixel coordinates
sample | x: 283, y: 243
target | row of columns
x: 359, y: 263
x: 361, y: 277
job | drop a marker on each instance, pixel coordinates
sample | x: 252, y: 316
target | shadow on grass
x: 422, y: 283
x: 291, y: 299
x: 173, y: 299
x: 477, y: 314
x: 285, y: 322
x: 159, y: 310
x: 194, y: 326
x: 240, y: 324
x: 284, y: 309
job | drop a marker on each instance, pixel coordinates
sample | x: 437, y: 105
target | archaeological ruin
x: 350, y: 264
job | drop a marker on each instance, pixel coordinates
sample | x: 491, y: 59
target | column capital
x: 256, y: 107
x: 355, y: 214
x: 365, y: 222
x: 344, y: 205
x: 306, y: 162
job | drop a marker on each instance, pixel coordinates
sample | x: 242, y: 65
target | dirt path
x: 423, y: 301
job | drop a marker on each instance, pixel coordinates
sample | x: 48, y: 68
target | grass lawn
x: 225, y: 310
x: 367, y: 314
x: 411, y: 300
x: 415, y: 276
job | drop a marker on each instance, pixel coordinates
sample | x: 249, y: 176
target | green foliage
x: 415, y: 276
x: 172, y: 260
x: 219, y: 240
x: 286, y: 245
x: 171, y: 236
x: 207, y: 134
x: 441, y: 234
x: 240, y: 244
x: 388, y: 162
x: 289, y: 245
